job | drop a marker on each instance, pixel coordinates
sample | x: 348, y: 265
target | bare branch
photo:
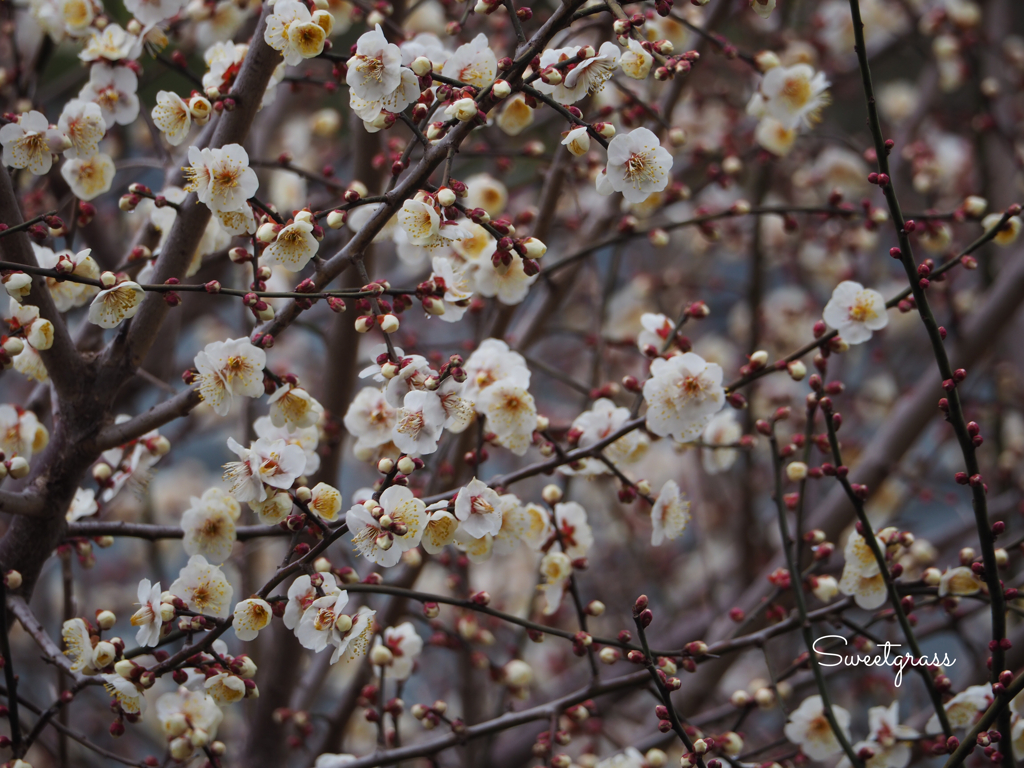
x: 160, y: 414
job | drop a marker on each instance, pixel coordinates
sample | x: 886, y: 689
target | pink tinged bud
x: 639, y: 606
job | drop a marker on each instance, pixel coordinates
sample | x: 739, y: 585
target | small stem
x: 9, y: 676
x: 883, y: 566
x: 797, y: 585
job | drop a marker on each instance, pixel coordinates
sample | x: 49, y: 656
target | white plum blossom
x: 250, y: 617
x: 293, y: 408
x: 473, y: 63
x: 204, y: 587
x: 510, y: 286
x: 375, y: 69
x: 603, y: 419
x: 78, y: 646
x: 221, y: 178
x: 301, y: 595
x: 964, y: 709
x: 868, y: 591
x: 294, y: 32
x: 153, y: 11
x: 172, y: 116
x: 323, y: 624
x: 440, y: 528
x: 209, y: 525
x: 404, y: 94
x: 82, y: 505
x: 374, y: 537
x: 83, y: 124
x: 420, y: 220
x: 148, y: 617
x: 577, y: 141
x: 478, y: 508
x: 485, y: 191
x: 574, y: 532
x: 810, y: 730
x: 775, y: 136
x: 114, y: 89
x: 325, y: 502
x: 30, y: 143
x: 405, y: 645
x: 793, y: 96
x: 556, y: 568
x: 682, y: 395
x: 265, y: 462
x: 515, y: 524
x: 723, y: 429
x: 516, y: 115
x: 228, y: 369
x: 670, y: 514
x: 129, y: 696
x: 306, y: 438
x: 21, y: 434
x: 419, y: 423
x: 477, y: 549
x: 89, y: 177
x: 116, y: 304
x: 657, y: 333
x: 114, y: 44
x: 38, y: 331
x: 582, y: 79
x: 225, y: 688
x: 888, y: 742
x: 411, y: 378
x: 458, y: 410
x: 370, y: 418
x: 425, y: 44
x: 511, y: 415
x: 960, y: 582
x: 492, y: 362
x: 856, y: 312
x: 188, y: 715
x: 333, y: 760
x: 635, y: 61
x: 858, y: 556
x: 294, y: 246
x: 458, y: 287
x: 638, y: 166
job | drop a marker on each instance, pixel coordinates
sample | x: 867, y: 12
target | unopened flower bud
x: 501, y: 89
x: 552, y: 494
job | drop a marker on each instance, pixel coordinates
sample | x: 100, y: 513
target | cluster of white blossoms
x: 31, y: 142
x: 787, y: 99
x: 377, y: 81
x: 888, y: 745
x: 295, y: 32
x: 595, y: 425
x: 862, y: 577
x: 683, y: 393
x: 409, y: 415
x: 229, y: 369
x: 223, y: 181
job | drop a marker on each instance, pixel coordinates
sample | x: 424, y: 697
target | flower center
x: 324, y: 619
x: 372, y: 69
x: 108, y: 98
x: 481, y: 506
x: 796, y: 91
x: 862, y: 310
x: 639, y: 170
x: 411, y: 423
